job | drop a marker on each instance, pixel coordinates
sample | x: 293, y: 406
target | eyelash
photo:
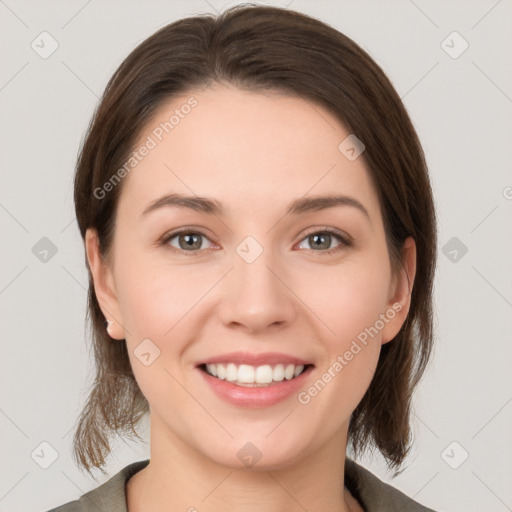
x: 345, y: 241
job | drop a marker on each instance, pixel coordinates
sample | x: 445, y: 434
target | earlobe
x: 401, y: 293
x: 103, y: 285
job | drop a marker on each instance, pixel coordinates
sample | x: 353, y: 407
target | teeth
x: 278, y: 373
x: 288, y: 372
x: 298, y: 370
x: 221, y: 371
x: 246, y: 375
x: 231, y: 372
x: 263, y: 374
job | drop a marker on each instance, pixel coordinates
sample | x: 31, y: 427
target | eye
x: 322, y: 240
x: 187, y: 240
x: 191, y: 242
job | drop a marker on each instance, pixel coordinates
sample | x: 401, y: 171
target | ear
x: 104, y: 285
x: 400, y: 292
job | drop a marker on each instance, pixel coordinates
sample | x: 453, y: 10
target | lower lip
x: 255, y: 397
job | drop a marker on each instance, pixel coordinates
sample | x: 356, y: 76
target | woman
x: 260, y: 237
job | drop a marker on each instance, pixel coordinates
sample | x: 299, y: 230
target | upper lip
x: 270, y: 358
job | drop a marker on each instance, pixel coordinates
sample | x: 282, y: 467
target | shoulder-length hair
x: 263, y: 48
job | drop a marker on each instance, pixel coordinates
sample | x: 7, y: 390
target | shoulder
x: 376, y: 495
x: 110, y: 496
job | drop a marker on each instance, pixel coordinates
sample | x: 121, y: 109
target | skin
x: 254, y: 152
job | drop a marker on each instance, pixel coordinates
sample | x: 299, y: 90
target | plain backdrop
x: 460, y: 100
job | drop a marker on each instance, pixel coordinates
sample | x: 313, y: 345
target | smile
x: 254, y: 376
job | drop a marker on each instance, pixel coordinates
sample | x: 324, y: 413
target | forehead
x: 248, y: 149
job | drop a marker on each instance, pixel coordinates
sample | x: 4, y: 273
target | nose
x: 256, y: 295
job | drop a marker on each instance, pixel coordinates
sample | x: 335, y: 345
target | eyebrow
x: 214, y: 207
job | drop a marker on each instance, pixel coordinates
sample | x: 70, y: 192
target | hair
x: 261, y: 48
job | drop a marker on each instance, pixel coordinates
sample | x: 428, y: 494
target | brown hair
x: 264, y: 48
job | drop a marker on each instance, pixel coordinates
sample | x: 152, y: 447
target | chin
x: 260, y: 454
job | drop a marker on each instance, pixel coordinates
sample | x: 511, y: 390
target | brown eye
x: 320, y: 241
x: 187, y: 241
x: 191, y: 242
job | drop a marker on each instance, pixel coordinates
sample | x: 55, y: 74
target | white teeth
x: 278, y: 373
x: 288, y: 372
x: 264, y: 374
x: 221, y: 371
x: 212, y: 369
x: 231, y: 372
x: 245, y: 374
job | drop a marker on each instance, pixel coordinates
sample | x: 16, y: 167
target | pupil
x: 319, y: 237
x: 189, y: 241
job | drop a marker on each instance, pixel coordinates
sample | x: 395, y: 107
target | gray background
x: 461, y: 108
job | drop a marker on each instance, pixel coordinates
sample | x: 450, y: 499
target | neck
x: 178, y: 478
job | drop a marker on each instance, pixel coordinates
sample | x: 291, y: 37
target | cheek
x: 154, y: 303
x: 350, y: 297
x: 154, y: 296
x: 354, y: 298
x: 160, y: 303
x: 351, y: 310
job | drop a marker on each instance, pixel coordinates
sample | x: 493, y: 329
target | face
x: 255, y: 289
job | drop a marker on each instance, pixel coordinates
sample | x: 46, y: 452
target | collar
x: 373, y: 494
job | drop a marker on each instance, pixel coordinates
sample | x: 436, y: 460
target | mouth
x: 251, y: 380
x: 245, y: 375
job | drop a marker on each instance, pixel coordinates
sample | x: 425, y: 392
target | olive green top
x: 372, y: 493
